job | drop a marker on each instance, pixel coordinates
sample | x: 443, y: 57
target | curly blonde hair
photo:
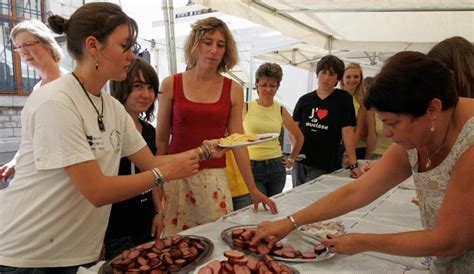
x: 199, y: 29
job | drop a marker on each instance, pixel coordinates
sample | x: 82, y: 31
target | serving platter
x: 207, y: 245
x: 299, y: 240
x: 262, y: 138
x: 223, y: 258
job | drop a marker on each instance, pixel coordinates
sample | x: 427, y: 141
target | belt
x: 267, y: 161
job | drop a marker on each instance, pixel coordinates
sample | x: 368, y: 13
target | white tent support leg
x: 170, y: 38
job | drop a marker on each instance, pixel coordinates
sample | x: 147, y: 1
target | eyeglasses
x: 27, y: 45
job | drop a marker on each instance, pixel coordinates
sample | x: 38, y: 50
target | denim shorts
x: 269, y: 175
x: 241, y: 201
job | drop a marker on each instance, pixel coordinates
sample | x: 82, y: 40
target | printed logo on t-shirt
x: 315, y: 118
x: 115, y: 140
x: 95, y: 143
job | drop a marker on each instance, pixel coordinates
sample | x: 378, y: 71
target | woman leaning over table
x: 202, y: 104
x: 433, y: 134
x: 36, y: 45
x: 264, y: 115
x: 55, y: 211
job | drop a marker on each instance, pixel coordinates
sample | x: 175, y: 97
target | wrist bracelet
x: 203, y: 151
x: 292, y: 220
x: 290, y: 160
x: 159, y: 178
x: 353, y: 166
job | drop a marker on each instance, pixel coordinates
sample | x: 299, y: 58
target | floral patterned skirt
x: 196, y: 200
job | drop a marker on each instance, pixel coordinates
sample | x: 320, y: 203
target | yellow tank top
x: 260, y: 119
x: 362, y: 140
x: 236, y: 182
x: 382, y: 142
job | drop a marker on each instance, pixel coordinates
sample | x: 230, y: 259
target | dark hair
x: 92, y: 19
x: 331, y: 63
x: 122, y: 89
x: 408, y: 82
x: 269, y: 70
x: 458, y: 55
x: 368, y: 81
x: 199, y: 29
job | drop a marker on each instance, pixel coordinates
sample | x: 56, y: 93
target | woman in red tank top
x: 202, y: 104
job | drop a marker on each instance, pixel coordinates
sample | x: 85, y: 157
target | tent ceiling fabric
x: 365, y: 31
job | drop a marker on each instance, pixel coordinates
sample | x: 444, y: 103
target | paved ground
x: 5, y: 157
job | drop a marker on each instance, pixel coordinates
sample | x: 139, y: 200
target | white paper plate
x: 266, y: 137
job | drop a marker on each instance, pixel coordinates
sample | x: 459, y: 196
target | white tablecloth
x: 392, y: 212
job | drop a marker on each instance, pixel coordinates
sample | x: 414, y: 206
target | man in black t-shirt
x: 325, y: 116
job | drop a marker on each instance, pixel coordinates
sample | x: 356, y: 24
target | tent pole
x: 250, y: 84
x: 170, y: 37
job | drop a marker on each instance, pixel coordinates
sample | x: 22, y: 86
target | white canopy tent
x: 299, y: 32
x: 363, y: 31
x: 252, y: 40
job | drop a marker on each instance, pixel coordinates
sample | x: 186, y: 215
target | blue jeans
x: 241, y: 201
x: 302, y: 173
x: 269, y: 175
x: 42, y: 270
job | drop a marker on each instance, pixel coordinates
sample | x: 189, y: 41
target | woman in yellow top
x: 264, y: 115
x: 352, y: 83
x: 377, y: 142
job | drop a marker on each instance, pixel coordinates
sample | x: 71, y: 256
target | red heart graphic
x: 322, y: 113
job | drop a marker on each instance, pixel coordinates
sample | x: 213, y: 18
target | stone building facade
x: 12, y: 104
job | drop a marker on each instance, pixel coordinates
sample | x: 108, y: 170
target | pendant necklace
x: 428, y: 162
x: 100, y: 116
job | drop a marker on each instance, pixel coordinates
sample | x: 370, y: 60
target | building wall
x: 10, y: 125
x: 11, y: 105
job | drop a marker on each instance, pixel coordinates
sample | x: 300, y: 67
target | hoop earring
x: 96, y: 65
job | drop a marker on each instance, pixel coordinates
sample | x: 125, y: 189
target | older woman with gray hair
x: 36, y: 45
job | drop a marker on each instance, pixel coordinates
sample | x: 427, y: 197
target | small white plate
x: 266, y: 137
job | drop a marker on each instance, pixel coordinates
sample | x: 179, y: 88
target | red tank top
x: 193, y: 122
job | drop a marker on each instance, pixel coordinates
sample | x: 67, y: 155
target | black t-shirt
x: 133, y: 217
x: 321, y: 121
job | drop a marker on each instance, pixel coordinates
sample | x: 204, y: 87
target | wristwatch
x: 159, y: 178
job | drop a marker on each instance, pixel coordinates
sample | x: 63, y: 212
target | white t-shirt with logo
x: 44, y: 219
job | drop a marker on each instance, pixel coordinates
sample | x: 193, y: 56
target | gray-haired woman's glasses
x: 27, y: 45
